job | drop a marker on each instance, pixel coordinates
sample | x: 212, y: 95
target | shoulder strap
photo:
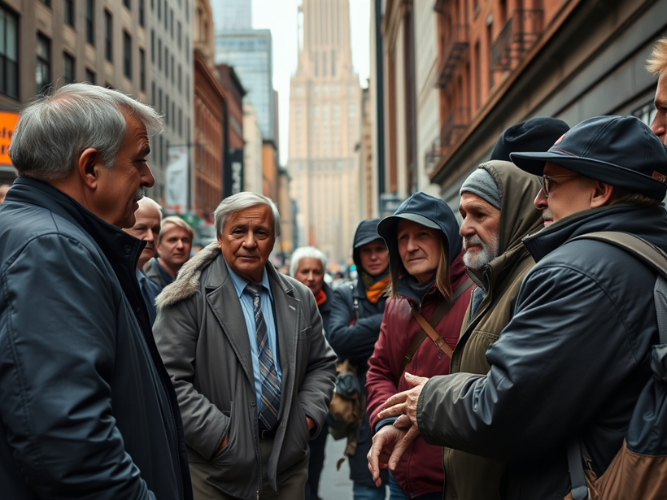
x: 433, y: 321
x: 645, y: 251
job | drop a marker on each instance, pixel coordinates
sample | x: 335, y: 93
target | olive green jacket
x: 467, y: 476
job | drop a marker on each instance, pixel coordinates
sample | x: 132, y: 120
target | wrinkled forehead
x: 255, y: 216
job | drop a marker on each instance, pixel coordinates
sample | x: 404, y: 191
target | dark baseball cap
x: 535, y: 134
x: 617, y: 150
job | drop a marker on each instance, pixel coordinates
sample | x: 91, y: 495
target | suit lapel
x: 287, y: 311
x: 225, y: 304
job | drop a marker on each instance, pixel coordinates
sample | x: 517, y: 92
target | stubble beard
x: 483, y: 256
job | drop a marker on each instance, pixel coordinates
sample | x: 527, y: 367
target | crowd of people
x: 131, y: 367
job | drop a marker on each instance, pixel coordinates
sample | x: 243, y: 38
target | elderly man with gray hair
x: 247, y: 355
x: 88, y: 410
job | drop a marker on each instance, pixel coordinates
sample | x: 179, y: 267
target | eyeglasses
x: 546, y: 182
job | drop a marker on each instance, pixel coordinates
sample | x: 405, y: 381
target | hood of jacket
x: 366, y: 232
x: 518, y: 217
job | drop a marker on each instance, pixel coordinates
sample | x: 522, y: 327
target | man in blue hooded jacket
x: 573, y: 360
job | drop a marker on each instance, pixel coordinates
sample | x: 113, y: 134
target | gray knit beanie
x: 482, y: 183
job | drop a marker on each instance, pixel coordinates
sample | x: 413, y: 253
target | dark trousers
x: 315, y: 463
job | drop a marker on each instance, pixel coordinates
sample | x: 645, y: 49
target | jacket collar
x: 647, y: 223
x: 121, y: 249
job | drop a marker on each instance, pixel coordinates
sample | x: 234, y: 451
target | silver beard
x: 483, y: 256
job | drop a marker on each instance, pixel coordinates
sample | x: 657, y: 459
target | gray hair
x: 241, y: 201
x: 55, y: 128
x: 306, y: 253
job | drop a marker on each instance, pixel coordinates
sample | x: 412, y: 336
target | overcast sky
x: 280, y: 16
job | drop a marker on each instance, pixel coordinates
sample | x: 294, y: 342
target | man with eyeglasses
x: 573, y: 359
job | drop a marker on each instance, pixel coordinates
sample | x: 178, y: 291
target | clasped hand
x: 391, y: 441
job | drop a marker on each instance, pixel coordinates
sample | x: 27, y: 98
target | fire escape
x: 517, y: 37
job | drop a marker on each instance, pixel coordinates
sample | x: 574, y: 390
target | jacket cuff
x: 385, y: 421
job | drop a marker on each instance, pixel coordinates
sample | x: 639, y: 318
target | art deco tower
x: 324, y: 129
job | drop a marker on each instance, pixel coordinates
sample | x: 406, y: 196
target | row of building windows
x: 157, y: 55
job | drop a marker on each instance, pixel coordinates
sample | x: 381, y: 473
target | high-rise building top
x: 325, y: 98
x: 232, y: 15
x: 250, y: 52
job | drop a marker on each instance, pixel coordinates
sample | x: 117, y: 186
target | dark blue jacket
x: 571, y: 362
x: 356, y: 342
x: 88, y: 410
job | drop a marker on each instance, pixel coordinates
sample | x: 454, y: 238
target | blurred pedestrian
x: 572, y: 361
x: 308, y: 265
x: 173, y: 250
x: 87, y: 407
x: 147, y: 228
x: 356, y: 316
x: 656, y: 65
x: 251, y: 366
x: 422, y: 320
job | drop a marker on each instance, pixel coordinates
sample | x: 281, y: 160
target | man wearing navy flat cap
x: 572, y: 361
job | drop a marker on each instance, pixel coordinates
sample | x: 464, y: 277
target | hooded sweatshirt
x: 419, y: 471
x: 467, y: 476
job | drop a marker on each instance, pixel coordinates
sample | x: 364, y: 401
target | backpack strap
x: 433, y: 321
x: 653, y: 257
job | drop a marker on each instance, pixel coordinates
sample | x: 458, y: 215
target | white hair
x: 54, y: 128
x: 306, y: 253
x: 150, y: 202
x: 241, y: 201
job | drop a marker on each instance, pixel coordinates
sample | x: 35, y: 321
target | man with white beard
x: 498, y: 212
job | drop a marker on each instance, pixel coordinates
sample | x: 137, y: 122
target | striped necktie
x: 268, y: 415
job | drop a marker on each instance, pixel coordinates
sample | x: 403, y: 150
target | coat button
x: 439, y: 355
x: 252, y: 403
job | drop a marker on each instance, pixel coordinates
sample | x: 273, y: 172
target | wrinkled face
x: 120, y: 187
x: 247, y: 240
x: 147, y: 228
x: 374, y: 257
x: 567, y: 195
x: 659, y: 125
x: 420, y: 248
x: 174, y: 246
x: 479, y: 230
x: 311, y: 273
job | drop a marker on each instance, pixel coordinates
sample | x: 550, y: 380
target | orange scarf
x: 321, y: 297
x: 376, y: 290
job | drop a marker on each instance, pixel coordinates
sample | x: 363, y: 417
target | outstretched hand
x: 405, y: 403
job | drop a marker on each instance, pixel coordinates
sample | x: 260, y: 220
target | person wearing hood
x: 497, y: 211
x: 428, y: 284
x: 307, y: 266
x: 356, y: 316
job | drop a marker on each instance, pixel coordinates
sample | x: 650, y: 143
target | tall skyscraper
x: 232, y: 15
x: 325, y: 98
x: 250, y: 52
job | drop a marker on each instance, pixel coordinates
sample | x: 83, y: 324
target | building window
x: 68, y: 12
x: 159, y: 100
x: 153, y: 46
x: 90, y: 76
x: 166, y: 61
x: 142, y: 70
x: 166, y: 16
x: 153, y: 94
x: 108, y: 36
x: 173, y: 115
x: 159, y: 9
x: 180, y: 121
x: 333, y: 63
x: 187, y: 49
x: 159, y: 54
x: 178, y: 35
x: 180, y: 88
x: 171, y: 23
x: 43, y: 73
x: 68, y: 68
x: 90, y: 22
x: 172, y: 70
x: 9, y: 74
x: 128, y: 4
x: 127, y: 55
x: 141, y: 13
x: 166, y: 109
x: 478, y: 77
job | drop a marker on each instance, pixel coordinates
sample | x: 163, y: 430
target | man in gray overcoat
x: 246, y: 352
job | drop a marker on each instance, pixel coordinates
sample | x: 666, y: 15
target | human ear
x: 602, y: 194
x: 88, y: 165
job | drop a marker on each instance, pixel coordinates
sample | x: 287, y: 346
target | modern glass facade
x: 250, y: 53
x: 232, y: 15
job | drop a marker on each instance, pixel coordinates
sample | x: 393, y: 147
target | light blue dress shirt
x: 265, y: 303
